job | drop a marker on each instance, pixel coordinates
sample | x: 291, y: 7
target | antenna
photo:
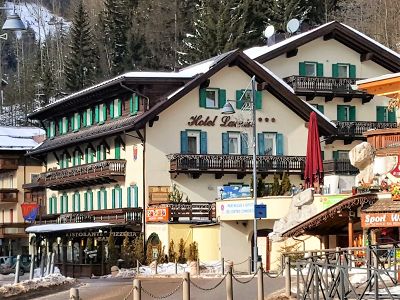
x: 292, y: 26
x: 269, y: 31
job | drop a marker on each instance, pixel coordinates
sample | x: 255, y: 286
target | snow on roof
x: 255, y: 52
x: 378, y: 78
x: 20, y: 132
x: 19, y: 138
x: 62, y: 227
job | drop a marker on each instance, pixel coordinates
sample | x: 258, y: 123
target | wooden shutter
x: 60, y: 127
x: 91, y: 200
x: 258, y: 99
x: 85, y: 118
x: 225, y: 143
x: 104, y: 112
x: 279, y: 144
x: 335, y: 155
x: 51, y: 205
x: 113, y: 198
x: 120, y: 197
x: 392, y: 115
x: 96, y: 114
x: 73, y: 202
x: 239, y: 100
x: 221, y: 98
x: 61, y: 204
x: 136, y: 196
x: 66, y: 203
x: 302, y: 69
x: 112, y: 109
x: 78, y: 120
x: 202, y: 97
x: 341, y: 113
x: 66, y: 124
x: 184, y: 142
x: 352, y: 71
x: 261, y: 144
x: 105, y: 199
x: 85, y: 201
x: 117, y: 149
x: 119, y: 107
x: 134, y: 104
x: 55, y: 205
x: 352, y: 113
x: 128, y: 196
x: 244, y: 144
x: 203, y: 142
x: 98, y: 153
x: 320, y: 70
x: 98, y: 200
x: 335, y: 70
x: 320, y: 108
x: 380, y: 113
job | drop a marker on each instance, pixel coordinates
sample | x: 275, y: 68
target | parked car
x: 8, y: 264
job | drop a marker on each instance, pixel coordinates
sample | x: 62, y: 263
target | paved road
x: 117, y: 289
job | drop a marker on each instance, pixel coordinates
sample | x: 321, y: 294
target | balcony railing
x: 8, y: 164
x: 357, y: 128
x: 13, y: 230
x: 234, y: 164
x: 106, y: 171
x: 8, y: 195
x: 324, y: 85
x: 339, y: 167
x: 197, y: 211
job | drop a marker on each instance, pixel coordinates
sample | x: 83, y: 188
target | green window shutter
x: 302, y: 69
x: 128, y: 194
x: 134, y: 104
x: 352, y: 113
x: 392, y: 115
x: 380, y: 113
x: 85, y: 201
x: 239, y: 102
x: 261, y: 143
x: 258, y: 99
x: 73, y: 203
x: 79, y: 202
x: 113, y: 199
x: 279, y: 144
x: 184, y: 142
x: 61, y: 204
x: 341, y: 113
x: 71, y: 120
x: 98, y: 153
x: 112, y: 110
x: 352, y: 71
x: 84, y: 118
x: 90, y: 111
x: 119, y: 107
x: 221, y: 98
x: 91, y: 200
x: 131, y: 104
x: 202, y: 97
x: 243, y: 143
x: 335, y: 70
x: 136, y: 196
x: 66, y: 204
x: 225, y: 143
x: 50, y: 205
x: 104, y: 112
x: 320, y: 70
x: 60, y: 127
x: 86, y: 155
x: 335, y: 155
x: 48, y: 131
x: 66, y: 125
x: 98, y: 200
x: 55, y: 205
x: 96, y: 114
x: 323, y: 155
x: 117, y: 149
x: 320, y: 108
x: 203, y: 142
x: 105, y: 199
x: 120, y: 197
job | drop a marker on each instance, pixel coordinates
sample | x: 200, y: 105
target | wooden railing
x: 322, y: 84
x: 8, y: 195
x: 235, y: 163
x: 13, y: 230
x: 357, y: 128
x: 192, y: 211
x: 87, y: 174
x: 8, y: 164
x: 339, y: 167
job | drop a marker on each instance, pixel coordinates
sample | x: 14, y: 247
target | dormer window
x: 213, y: 98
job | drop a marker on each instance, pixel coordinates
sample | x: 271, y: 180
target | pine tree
x: 138, y: 251
x: 171, y: 252
x: 127, y: 253
x: 81, y: 64
x: 182, y: 252
x: 112, y: 258
x: 276, y: 187
x: 193, y: 252
x: 286, y: 186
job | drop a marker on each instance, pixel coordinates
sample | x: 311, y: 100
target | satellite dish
x: 293, y: 25
x: 269, y: 31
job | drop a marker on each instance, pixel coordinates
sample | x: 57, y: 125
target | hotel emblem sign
x: 225, y: 121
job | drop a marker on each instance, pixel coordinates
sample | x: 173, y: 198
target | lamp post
x: 228, y: 109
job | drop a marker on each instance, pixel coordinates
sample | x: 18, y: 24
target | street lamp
x: 228, y: 109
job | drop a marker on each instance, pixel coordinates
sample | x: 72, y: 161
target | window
x: 244, y: 96
x: 319, y: 107
x: 88, y: 200
x: 101, y: 152
x: 11, y: 181
x: 115, y: 108
x: 89, y: 155
x: 340, y: 154
x: 76, y: 125
x: 212, y: 97
x: 102, y: 199
x: 64, y: 125
x: 76, y: 205
x: 64, y: 162
x: 100, y: 113
x: 383, y: 114
x: 270, y: 143
x: 343, y: 70
x: 52, y: 205
x: 193, y: 142
x: 134, y: 104
x: 77, y: 158
x: 51, y: 129
x: 64, y: 203
x: 117, y: 148
x: 234, y: 143
x: 346, y: 113
x: 116, y: 197
x: 311, y: 68
x: 11, y: 215
x: 133, y: 200
x: 87, y: 117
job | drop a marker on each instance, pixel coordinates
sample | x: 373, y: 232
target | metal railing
x: 339, y: 166
x: 197, y: 210
x: 357, y: 128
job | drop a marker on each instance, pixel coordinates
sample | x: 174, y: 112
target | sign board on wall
x: 329, y: 200
x: 157, y: 214
x: 233, y: 191
x: 380, y: 220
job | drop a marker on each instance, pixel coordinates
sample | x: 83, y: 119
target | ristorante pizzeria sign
x: 225, y: 121
x: 380, y: 220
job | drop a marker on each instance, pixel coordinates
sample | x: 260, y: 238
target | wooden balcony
x: 8, y: 195
x: 328, y: 87
x: 385, y: 141
x: 220, y: 164
x: 110, y: 170
x: 339, y: 167
x: 13, y: 230
x: 8, y: 164
x: 181, y: 212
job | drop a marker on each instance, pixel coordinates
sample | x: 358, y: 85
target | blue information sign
x: 261, y: 211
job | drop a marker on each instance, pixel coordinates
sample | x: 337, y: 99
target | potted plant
x: 395, y: 191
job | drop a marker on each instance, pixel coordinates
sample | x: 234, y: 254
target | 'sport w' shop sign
x: 380, y: 220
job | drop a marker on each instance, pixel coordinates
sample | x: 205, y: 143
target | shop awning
x: 46, y: 228
x: 383, y: 205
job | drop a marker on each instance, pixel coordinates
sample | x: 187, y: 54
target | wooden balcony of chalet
x: 339, y: 167
x: 327, y: 87
x: 178, y: 212
x: 385, y: 141
x: 110, y: 170
x: 8, y: 164
x: 220, y: 164
x: 8, y: 195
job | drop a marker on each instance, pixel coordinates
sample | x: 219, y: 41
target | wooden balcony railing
x: 234, y: 164
x: 8, y: 195
x: 339, y: 167
x: 357, y: 128
x: 13, y: 230
x: 8, y: 164
x: 196, y: 211
x: 106, y: 171
x: 385, y: 141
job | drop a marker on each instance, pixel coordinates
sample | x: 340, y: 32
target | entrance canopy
x: 47, y: 228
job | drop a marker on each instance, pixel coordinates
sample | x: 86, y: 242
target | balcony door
x: 193, y: 140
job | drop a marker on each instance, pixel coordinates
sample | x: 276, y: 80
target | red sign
x: 380, y: 220
x: 157, y: 214
x: 29, y: 211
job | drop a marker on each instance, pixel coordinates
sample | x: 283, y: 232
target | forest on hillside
x: 105, y: 38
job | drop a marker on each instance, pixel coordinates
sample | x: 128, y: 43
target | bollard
x: 17, y: 266
x: 42, y: 265
x: 176, y: 267
x: 52, y: 263
x: 260, y: 281
x: 32, y: 267
x: 288, y: 279
x: 156, y: 271
x: 48, y: 263
x: 229, y: 284
x: 186, y: 286
x: 74, y: 294
x: 137, y: 289
x: 137, y: 267
x: 223, y: 266
x: 198, y: 267
x: 250, y: 264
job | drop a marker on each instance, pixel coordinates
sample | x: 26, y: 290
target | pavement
x: 119, y: 288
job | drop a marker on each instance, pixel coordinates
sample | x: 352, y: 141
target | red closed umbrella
x: 314, y: 171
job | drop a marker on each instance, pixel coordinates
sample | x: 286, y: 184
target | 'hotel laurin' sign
x: 225, y: 121
x: 380, y: 220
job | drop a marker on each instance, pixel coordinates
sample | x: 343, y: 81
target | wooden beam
x: 292, y: 53
x: 367, y: 98
x: 329, y: 36
x: 205, y: 84
x: 366, y: 56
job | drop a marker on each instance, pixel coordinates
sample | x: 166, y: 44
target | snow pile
x: 51, y: 280
x: 36, y: 272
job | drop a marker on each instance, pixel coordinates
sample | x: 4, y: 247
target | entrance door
x: 264, y: 250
